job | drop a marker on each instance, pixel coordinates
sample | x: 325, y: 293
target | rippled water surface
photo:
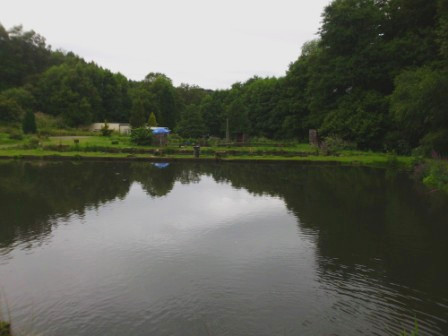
x: 104, y: 248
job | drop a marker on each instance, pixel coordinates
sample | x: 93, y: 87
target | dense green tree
x: 190, y: 94
x: 10, y: 111
x: 152, y: 121
x: 70, y: 92
x: 376, y: 75
x: 212, y: 110
x: 360, y: 117
x: 21, y: 96
x: 153, y: 76
x: 261, y: 97
x: 23, y: 54
x: 137, y: 118
x: 29, y: 123
x: 419, y: 105
x: 165, y: 99
x: 158, y: 95
x: 191, y: 124
x: 142, y: 136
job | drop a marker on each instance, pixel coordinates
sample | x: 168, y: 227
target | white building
x: 121, y: 128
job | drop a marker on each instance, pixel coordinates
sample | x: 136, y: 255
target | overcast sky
x: 209, y: 43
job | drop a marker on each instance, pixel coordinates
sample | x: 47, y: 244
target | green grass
x: 368, y: 159
x: 124, y: 142
x: 5, y: 329
x: 5, y: 140
x: 117, y: 146
x: 413, y: 332
x: 436, y: 175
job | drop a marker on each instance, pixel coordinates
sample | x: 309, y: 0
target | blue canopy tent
x: 160, y: 130
x: 161, y: 133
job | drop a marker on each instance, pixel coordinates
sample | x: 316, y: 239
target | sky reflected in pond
x: 119, y: 248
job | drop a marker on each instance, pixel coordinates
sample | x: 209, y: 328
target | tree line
x: 377, y: 76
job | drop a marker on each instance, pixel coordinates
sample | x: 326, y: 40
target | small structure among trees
x: 160, y: 135
x: 122, y: 128
x: 314, y: 137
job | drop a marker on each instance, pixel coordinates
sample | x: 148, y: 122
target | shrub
x: 5, y: 328
x: 48, y: 122
x: 214, y: 141
x: 413, y: 332
x: 436, y: 141
x: 334, y: 144
x: 437, y: 175
x: 105, y: 130
x: 261, y: 140
x: 174, y: 139
x: 142, y: 137
x: 32, y: 143
x: 29, y: 123
x: 10, y: 111
x: 16, y: 136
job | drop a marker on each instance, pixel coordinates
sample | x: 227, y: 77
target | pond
x: 110, y: 248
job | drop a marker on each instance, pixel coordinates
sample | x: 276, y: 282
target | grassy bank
x: 364, y: 159
x: 434, y: 173
x: 120, y: 148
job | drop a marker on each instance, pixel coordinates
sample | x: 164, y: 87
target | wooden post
x: 314, y: 137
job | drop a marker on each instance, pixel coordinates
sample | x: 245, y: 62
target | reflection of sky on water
x: 160, y: 251
x: 205, y: 250
x: 187, y: 213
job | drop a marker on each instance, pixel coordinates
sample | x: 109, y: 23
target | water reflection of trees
x: 32, y: 194
x: 358, y: 214
x: 374, y: 230
x: 160, y: 182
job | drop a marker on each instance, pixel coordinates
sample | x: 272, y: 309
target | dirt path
x: 70, y: 137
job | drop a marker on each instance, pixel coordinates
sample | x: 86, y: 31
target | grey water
x: 109, y: 248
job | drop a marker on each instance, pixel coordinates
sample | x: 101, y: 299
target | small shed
x: 161, y: 135
x: 122, y: 128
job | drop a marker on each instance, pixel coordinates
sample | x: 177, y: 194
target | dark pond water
x: 220, y: 249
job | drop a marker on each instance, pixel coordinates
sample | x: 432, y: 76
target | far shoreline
x: 378, y: 161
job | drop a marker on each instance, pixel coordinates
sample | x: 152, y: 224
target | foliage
x: 435, y: 140
x: 23, y: 97
x: 137, y: 119
x: 16, y: 136
x: 31, y: 143
x: 46, y: 122
x: 152, y: 121
x: 191, y: 124
x: 334, y: 145
x: 105, y: 130
x: 10, y: 111
x: 377, y: 76
x: 413, y: 332
x: 5, y: 328
x: 418, y: 104
x: 24, y: 54
x: 82, y: 93
x: 436, y: 175
x: 29, y: 123
x: 142, y: 136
